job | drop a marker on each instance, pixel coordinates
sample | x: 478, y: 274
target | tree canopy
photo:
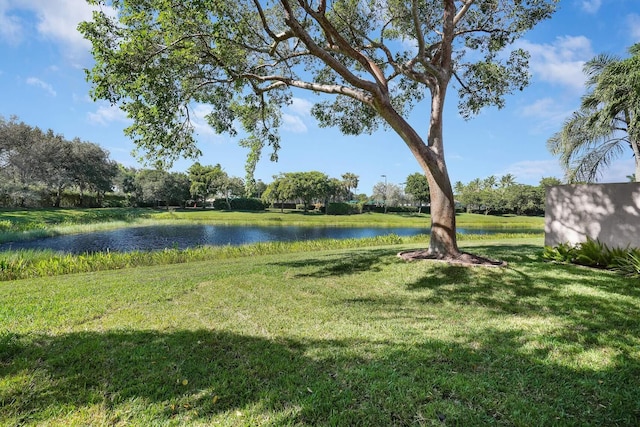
x: 373, y: 59
x: 418, y: 186
x: 607, y: 122
x: 36, y: 165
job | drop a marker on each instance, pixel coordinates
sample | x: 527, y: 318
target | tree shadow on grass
x: 488, y: 376
x: 199, y: 376
x: 353, y: 262
x: 600, y: 305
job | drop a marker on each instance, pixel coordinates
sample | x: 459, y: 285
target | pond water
x: 185, y: 236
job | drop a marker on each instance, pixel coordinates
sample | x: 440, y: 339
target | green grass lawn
x: 332, y: 337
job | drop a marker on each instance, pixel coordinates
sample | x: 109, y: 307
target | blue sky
x: 43, y: 57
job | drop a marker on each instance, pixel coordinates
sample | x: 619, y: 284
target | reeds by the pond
x: 24, y: 264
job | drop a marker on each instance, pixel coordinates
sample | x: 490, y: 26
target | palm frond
x: 587, y: 165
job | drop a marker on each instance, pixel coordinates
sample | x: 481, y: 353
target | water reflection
x: 185, y: 236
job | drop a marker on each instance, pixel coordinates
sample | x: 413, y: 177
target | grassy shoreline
x: 23, y: 264
x: 343, y: 336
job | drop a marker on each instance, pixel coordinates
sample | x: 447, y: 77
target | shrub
x: 343, y: 209
x: 593, y: 253
x: 248, y: 204
x: 283, y: 205
x: 402, y: 209
x: 300, y: 207
x: 564, y: 252
x: 629, y: 265
x: 240, y: 204
x: 115, y: 201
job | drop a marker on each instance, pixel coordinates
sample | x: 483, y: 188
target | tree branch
x: 321, y: 53
x: 462, y: 12
x: 279, y: 81
x: 347, y: 49
x: 418, y: 29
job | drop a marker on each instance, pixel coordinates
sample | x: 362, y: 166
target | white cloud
x: 55, y: 19
x: 590, y: 6
x: 300, y: 106
x: 293, y: 119
x: 198, y: 119
x: 106, y: 114
x: 59, y: 20
x: 532, y: 171
x: 33, y: 81
x: 547, y: 114
x: 560, y: 62
x: 10, y: 25
x: 410, y: 44
x: 633, y: 24
x: 293, y: 123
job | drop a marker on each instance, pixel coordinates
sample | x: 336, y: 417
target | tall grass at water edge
x: 24, y: 264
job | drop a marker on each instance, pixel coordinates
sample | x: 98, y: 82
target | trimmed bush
x: 343, y: 209
x: 240, y: 204
x: 403, y: 209
x: 115, y: 201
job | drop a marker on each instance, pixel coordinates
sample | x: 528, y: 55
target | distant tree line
x: 490, y: 195
x: 39, y: 168
x: 307, y: 188
x: 43, y: 169
x: 502, y: 196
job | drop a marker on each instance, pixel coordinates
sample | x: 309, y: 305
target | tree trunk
x: 443, y: 242
x: 635, y: 146
x: 58, y: 199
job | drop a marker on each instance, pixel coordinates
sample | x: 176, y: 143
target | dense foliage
x: 42, y: 169
x: 308, y: 188
x: 38, y: 167
x: 418, y: 187
x: 593, y: 253
x: 240, y: 204
x: 504, y: 196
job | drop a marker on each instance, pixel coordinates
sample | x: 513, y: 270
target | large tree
x: 277, y: 191
x: 607, y: 122
x: 91, y: 168
x: 350, y: 181
x: 418, y: 187
x: 46, y: 164
x: 307, y: 186
x: 205, y: 181
x: 373, y: 59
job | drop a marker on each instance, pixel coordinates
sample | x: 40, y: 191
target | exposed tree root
x: 463, y: 258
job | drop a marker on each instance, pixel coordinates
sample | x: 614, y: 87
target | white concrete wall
x: 609, y: 213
